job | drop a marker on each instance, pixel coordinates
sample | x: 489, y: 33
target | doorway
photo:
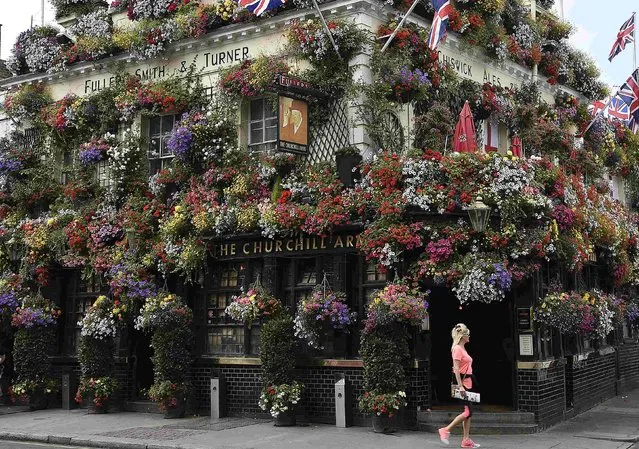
x: 491, y: 346
x: 142, y: 368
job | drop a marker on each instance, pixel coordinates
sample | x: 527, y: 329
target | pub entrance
x: 491, y: 346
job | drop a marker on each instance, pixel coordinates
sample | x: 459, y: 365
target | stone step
x: 143, y: 407
x: 486, y: 428
x: 445, y: 416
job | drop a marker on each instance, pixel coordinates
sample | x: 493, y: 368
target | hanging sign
x: 292, y: 135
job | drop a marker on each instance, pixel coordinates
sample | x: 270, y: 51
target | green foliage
x: 96, y: 356
x: 171, y: 356
x: 31, y: 350
x: 277, y: 350
x: 385, y: 354
x: 433, y: 127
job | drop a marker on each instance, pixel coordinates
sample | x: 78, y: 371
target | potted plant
x: 280, y: 393
x: 34, y: 322
x: 98, y: 390
x: 384, y: 351
x: 347, y: 160
x: 95, y: 354
x: 169, y: 319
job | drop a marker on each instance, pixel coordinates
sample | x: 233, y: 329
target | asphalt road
x: 26, y: 445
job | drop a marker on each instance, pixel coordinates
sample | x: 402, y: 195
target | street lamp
x: 479, y: 214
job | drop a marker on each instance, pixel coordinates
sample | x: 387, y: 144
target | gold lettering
x: 257, y: 247
x: 245, y: 249
x: 323, y: 243
x: 289, y: 241
x: 224, y: 250
x: 338, y: 242
x: 349, y: 241
x: 268, y: 246
x: 299, y: 243
x: 278, y: 246
x: 314, y: 242
x: 233, y: 249
x: 308, y: 243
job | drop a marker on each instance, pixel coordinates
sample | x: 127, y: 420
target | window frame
x: 160, y: 160
x: 262, y: 144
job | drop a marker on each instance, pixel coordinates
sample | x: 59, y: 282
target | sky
x: 596, y: 23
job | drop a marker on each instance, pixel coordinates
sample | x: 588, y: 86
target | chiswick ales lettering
x: 202, y: 61
x: 289, y: 245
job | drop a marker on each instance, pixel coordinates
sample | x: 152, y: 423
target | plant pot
x: 285, y: 419
x: 38, y: 400
x: 177, y: 411
x: 346, y: 163
x: 384, y: 423
x: 93, y: 409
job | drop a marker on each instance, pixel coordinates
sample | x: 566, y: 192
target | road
x: 27, y: 445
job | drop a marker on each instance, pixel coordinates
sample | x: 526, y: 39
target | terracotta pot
x: 384, y: 423
x: 93, y: 409
x: 285, y: 419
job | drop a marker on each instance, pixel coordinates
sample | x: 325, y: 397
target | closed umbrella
x: 465, y: 132
x: 515, y: 146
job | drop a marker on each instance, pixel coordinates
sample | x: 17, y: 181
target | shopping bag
x: 457, y: 393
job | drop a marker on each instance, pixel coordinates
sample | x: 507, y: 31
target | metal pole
x: 399, y: 25
x: 328, y: 31
x: 42, y: 12
x: 0, y: 41
x: 561, y: 9
x: 634, y: 41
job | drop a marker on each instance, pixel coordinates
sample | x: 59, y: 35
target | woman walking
x: 463, y: 371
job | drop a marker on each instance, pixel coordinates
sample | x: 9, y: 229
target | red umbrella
x: 515, y: 146
x: 465, y: 132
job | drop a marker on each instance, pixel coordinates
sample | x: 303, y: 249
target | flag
x: 258, y: 7
x: 633, y: 124
x: 629, y: 93
x: 465, y: 132
x: 597, y: 106
x: 440, y: 22
x: 619, y: 109
x: 626, y: 35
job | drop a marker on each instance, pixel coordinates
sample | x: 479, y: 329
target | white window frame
x: 164, y: 157
x: 490, y: 135
x: 266, y: 107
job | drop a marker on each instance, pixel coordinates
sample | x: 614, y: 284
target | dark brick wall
x: 628, y: 359
x: 591, y: 380
x: 541, y: 391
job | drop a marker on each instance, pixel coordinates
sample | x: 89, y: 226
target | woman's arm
x: 456, y: 370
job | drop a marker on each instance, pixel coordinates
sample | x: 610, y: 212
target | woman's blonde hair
x: 459, y: 331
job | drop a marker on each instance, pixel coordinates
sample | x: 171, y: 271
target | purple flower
x: 502, y: 277
x: 10, y: 165
x: 180, y: 142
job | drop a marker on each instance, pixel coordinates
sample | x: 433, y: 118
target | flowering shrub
x: 163, y: 311
x: 253, y: 305
x: 96, y: 150
x: 321, y: 307
x: 167, y: 394
x: 382, y: 403
x: 397, y: 302
x: 35, y: 312
x: 26, y: 101
x: 98, y: 321
x: 485, y: 281
x: 310, y: 39
x: 280, y: 398
x: 10, y: 294
x: 252, y: 76
x: 98, y: 390
x: 408, y: 85
x: 34, y: 51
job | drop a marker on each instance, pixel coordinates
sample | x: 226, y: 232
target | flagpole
x: 634, y: 40
x: 601, y: 111
x: 328, y: 31
x: 399, y: 25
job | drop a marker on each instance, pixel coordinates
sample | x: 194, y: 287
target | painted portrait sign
x: 293, y: 125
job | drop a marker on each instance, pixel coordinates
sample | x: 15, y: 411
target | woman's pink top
x: 465, y: 365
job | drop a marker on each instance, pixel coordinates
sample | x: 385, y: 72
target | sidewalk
x: 611, y: 425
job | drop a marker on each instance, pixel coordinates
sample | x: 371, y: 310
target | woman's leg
x: 466, y: 429
x: 459, y: 418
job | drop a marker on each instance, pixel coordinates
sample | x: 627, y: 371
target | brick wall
x: 591, y: 380
x: 541, y: 391
x: 628, y: 357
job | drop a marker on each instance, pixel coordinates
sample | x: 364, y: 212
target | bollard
x: 68, y: 393
x: 343, y: 406
x: 218, y: 397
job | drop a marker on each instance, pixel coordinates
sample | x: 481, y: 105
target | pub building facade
x: 520, y: 369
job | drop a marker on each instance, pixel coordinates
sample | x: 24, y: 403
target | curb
x: 628, y: 439
x: 81, y: 441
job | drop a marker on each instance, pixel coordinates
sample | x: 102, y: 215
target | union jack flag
x: 440, y: 22
x: 626, y: 35
x: 597, y: 107
x: 619, y: 109
x: 633, y: 124
x: 258, y: 7
x: 629, y: 93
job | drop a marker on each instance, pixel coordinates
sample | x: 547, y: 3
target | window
x: 263, y: 124
x: 374, y: 279
x: 104, y: 174
x: 67, y: 168
x: 159, y: 131
x: 223, y: 335
x: 86, y: 292
x: 491, y: 135
x: 300, y: 279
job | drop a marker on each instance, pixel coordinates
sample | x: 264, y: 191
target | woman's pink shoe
x: 469, y: 443
x: 444, y: 434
